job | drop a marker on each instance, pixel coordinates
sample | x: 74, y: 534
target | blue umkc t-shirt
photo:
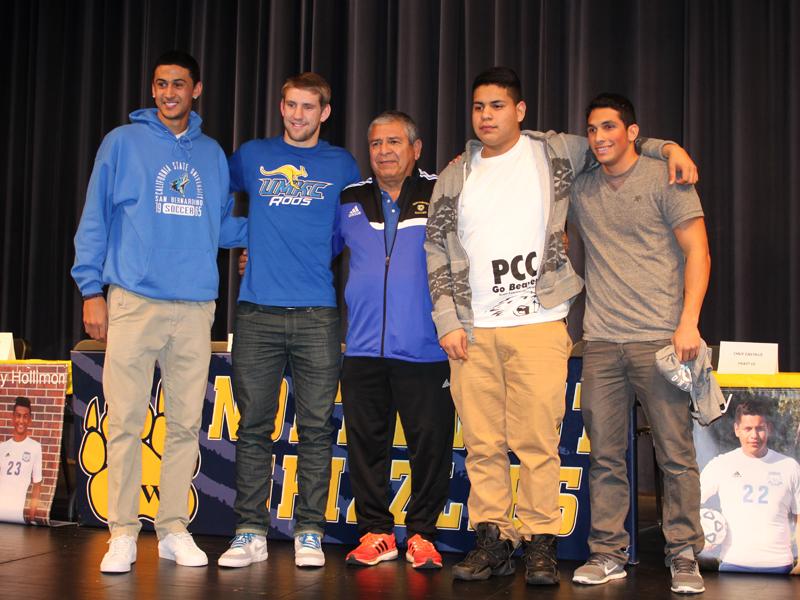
x: 294, y: 200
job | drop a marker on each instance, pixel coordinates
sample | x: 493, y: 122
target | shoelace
x: 183, y: 538
x: 310, y: 540
x: 242, y: 539
x: 684, y: 565
x: 539, y: 552
x: 119, y: 546
x: 420, y: 544
x: 597, y: 560
x: 371, y: 538
x: 478, y: 556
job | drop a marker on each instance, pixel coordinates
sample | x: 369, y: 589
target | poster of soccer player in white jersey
x: 750, y: 484
x: 20, y: 468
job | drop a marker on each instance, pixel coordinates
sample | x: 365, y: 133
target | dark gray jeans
x: 612, y: 374
x: 265, y: 340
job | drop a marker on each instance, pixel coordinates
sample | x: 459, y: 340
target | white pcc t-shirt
x: 20, y: 464
x: 501, y: 224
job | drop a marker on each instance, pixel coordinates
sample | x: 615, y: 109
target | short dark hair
x: 752, y: 407
x: 503, y: 77
x: 391, y: 116
x: 22, y: 401
x: 182, y: 59
x: 312, y: 82
x: 616, y: 101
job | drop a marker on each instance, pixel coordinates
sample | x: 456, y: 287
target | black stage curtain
x: 722, y: 77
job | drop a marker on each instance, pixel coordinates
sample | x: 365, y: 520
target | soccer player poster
x: 750, y: 482
x: 32, y: 395
x: 21, y: 467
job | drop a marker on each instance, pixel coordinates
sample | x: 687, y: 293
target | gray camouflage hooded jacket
x: 448, y: 265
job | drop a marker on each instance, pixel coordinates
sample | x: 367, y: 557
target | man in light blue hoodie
x: 157, y: 209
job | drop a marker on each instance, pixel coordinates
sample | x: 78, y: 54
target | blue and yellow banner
x: 213, y: 490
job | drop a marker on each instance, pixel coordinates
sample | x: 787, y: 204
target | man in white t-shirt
x: 21, y: 468
x: 759, y: 496
x: 501, y: 285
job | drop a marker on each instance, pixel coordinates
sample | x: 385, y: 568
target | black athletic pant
x: 374, y: 390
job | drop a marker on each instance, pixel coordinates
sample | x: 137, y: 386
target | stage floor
x: 62, y: 563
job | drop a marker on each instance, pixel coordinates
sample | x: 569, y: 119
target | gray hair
x: 391, y: 116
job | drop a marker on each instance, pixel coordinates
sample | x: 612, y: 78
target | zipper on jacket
x: 385, y: 287
x: 388, y: 257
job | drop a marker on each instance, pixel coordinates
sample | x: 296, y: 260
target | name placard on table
x: 747, y: 358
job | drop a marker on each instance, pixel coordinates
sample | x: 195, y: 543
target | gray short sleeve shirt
x: 634, y: 265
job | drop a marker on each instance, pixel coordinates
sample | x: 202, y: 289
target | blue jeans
x: 265, y: 340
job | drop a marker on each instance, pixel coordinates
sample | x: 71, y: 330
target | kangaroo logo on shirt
x: 286, y: 186
x: 292, y: 174
x: 179, y: 190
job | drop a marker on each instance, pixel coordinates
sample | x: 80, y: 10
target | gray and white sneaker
x: 599, y: 568
x: 308, y: 550
x: 686, y: 578
x: 246, y: 548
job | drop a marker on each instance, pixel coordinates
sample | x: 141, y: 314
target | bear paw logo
x: 93, y: 460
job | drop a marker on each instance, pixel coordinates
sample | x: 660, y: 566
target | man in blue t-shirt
x: 287, y: 315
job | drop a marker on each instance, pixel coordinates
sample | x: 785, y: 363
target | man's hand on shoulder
x: 455, y: 160
x: 686, y: 341
x: 681, y: 166
x: 95, y: 318
x: 455, y: 344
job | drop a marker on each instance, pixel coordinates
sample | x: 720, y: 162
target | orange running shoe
x: 422, y: 554
x: 374, y: 548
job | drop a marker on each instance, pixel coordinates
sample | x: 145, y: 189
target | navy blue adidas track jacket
x: 387, y: 296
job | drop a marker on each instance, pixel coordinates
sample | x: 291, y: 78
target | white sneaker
x: 246, y: 548
x: 120, y: 556
x: 181, y: 548
x: 308, y: 550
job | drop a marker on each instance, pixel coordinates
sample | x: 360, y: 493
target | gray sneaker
x: 686, y: 578
x: 600, y: 568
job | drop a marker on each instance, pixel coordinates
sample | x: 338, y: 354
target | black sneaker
x: 541, y: 565
x: 491, y: 556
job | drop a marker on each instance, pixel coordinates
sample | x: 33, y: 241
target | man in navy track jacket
x: 393, y: 363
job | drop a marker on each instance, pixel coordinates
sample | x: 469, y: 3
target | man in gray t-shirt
x: 647, y: 268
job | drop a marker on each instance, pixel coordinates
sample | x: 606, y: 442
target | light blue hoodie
x: 157, y: 209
